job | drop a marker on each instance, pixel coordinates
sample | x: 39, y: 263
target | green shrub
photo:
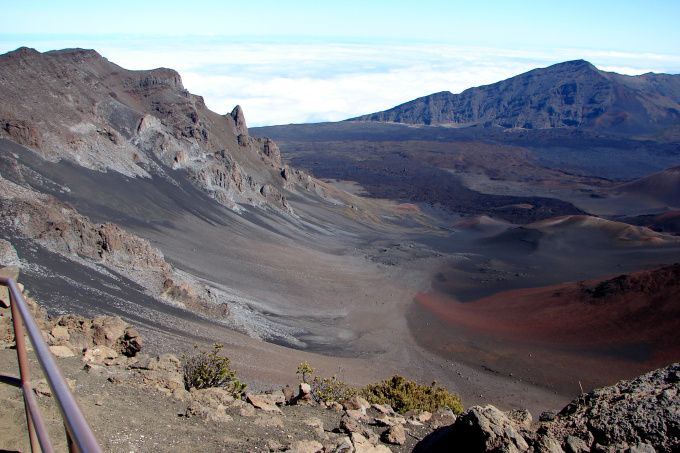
x: 305, y: 371
x: 331, y: 389
x: 403, y: 396
x: 208, y: 369
x: 324, y: 389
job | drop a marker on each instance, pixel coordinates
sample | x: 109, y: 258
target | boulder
x: 264, y: 402
x: 358, y: 415
x: 480, y: 429
x: 383, y: 409
x: 341, y: 445
x: 9, y: 258
x: 305, y: 395
x: 442, y: 417
x: 104, y: 331
x: 349, y: 425
x: 363, y: 444
x: 547, y: 444
x: 288, y: 394
x: 60, y: 333
x: 98, y: 354
x: 334, y: 406
x: 356, y: 403
x: 278, y: 397
x: 521, y: 417
x: 418, y: 416
x: 395, y: 435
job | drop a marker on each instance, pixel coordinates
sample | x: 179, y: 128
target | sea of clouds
x: 301, y: 80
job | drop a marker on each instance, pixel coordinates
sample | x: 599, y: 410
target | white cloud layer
x: 298, y: 81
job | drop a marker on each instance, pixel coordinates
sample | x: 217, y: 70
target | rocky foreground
x: 139, y: 403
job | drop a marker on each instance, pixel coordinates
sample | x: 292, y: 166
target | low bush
x: 403, y: 396
x: 324, y: 389
x: 305, y: 372
x: 207, y: 369
x: 331, y: 389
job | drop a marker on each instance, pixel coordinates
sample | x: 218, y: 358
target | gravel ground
x: 127, y: 418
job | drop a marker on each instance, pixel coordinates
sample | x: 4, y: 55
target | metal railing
x: 80, y: 437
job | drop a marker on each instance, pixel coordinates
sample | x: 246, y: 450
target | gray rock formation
x: 569, y: 94
x: 632, y: 416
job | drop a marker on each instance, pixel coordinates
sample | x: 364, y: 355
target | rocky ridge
x: 569, y: 94
x: 75, y: 105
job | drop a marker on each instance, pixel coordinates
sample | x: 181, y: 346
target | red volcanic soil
x: 409, y: 207
x: 482, y: 224
x: 669, y: 222
x: 663, y: 186
x: 595, y: 331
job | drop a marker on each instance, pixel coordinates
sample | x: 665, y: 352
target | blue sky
x: 304, y: 61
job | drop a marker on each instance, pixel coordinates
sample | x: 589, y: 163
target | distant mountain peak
x: 570, y: 94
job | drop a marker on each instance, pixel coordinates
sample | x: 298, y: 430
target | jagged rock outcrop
x: 627, y: 415
x: 640, y: 415
x: 570, y: 94
x: 82, y: 335
x: 22, y: 132
x: 59, y: 228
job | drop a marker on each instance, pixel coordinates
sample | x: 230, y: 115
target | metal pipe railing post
x: 20, y: 343
x: 79, y: 433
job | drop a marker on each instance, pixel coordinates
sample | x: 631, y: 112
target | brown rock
x: 98, y: 354
x: 358, y: 415
x: 60, y: 333
x: 305, y: 395
x: 383, y: 409
x: 264, y: 402
x: 23, y: 132
x: 442, y: 417
x: 521, y: 417
x: 194, y: 408
x: 305, y: 446
x: 395, y: 435
x: 247, y: 411
x: 335, y: 406
x: 212, y: 397
x: 364, y: 445
x: 356, y: 403
x: 288, y: 394
x: 274, y: 445
x: 278, y: 397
